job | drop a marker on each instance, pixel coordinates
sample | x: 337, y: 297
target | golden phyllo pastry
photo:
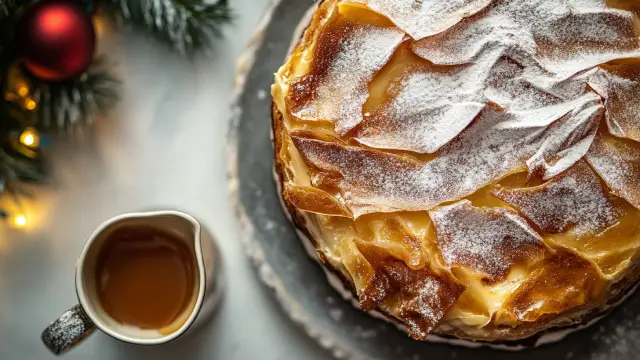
x: 467, y: 168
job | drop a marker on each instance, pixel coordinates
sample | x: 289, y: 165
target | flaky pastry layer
x: 459, y: 182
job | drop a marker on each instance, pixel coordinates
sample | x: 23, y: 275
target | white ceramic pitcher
x: 78, y: 322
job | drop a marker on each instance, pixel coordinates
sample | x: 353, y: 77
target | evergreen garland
x: 185, y: 25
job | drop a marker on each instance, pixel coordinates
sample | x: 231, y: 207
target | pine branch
x: 14, y: 171
x: 15, y: 168
x: 60, y: 105
x: 187, y: 25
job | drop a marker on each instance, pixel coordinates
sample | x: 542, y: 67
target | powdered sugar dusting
x: 510, y: 83
x: 486, y: 240
x: 430, y: 109
x: 338, y: 81
x: 432, y: 105
x: 422, y: 18
x: 521, y: 55
x: 553, y: 156
x: 423, y: 305
x: 620, y: 338
x: 579, y: 38
x: 618, y: 164
x: 620, y: 87
x: 67, y: 330
x: 336, y: 314
x: 567, y: 37
x: 496, y: 145
x: 573, y: 199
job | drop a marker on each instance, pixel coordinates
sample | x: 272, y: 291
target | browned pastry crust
x: 526, y: 335
x: 535, y: 325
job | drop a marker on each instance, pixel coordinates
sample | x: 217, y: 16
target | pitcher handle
x: 71, y: 328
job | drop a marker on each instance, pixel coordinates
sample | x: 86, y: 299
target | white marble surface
x: 163, y: 146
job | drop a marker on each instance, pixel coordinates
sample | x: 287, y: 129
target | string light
x: 23, y: 215
x: 19, y: 221
x: 29, y: 104
x: 23, y: 90
x: 30, y: 138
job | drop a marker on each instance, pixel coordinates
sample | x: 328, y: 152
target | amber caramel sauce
x: 145, y: 277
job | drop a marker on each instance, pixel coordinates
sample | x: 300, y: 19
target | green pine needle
x: 14, y: 171
x: 61, y: 105
x: 187, y: 25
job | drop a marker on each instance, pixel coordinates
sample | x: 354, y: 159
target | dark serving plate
x: 298, y: 281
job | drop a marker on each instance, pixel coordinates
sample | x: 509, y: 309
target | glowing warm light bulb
x: 19, y: 221
x: 29, y: 104
x: 30, y: 138
x: 23, y: 90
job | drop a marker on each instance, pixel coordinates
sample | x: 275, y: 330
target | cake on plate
x: 467, y: 168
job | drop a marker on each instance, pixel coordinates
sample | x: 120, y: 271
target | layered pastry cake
x: 467, y: 168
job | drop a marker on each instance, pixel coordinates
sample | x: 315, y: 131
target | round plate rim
x: 251, y: 246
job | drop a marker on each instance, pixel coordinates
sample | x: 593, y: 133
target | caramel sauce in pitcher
x: 146, y: 277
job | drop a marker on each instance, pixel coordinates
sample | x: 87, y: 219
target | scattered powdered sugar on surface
x: 620, y: 339
x: 588, y: 4
x: 519, y: 90
x: 526, y: 54
x: 430, y: 109
x: 336, y: 314
x: 497, y: 144
x: 575, y: 198
x: 270, y: 225
x: 509, y: 83
x: 553, y: 156
x: 342, y: 90
x: 487, y: 240
x: 518, y: 54
x: 620, y: 88
x: 422, y: 18
x: 618, y: 164
x: 360, y: 332
x: 567, y: 37
x: 67, y: 330
x: 544, y: 119
x: 579, y: 39
x: 425, y: 304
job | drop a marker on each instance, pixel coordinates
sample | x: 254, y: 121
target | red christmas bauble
x: 56, y: 39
